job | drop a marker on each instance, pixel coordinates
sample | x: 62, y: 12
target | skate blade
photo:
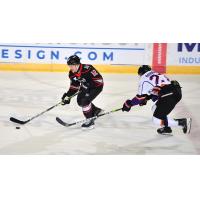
x: 89, y: 128
x: 189, y: 125
x: 166, y: 134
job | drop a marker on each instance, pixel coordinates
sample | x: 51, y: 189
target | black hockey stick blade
x: 60, y: 121
x: 18, y: 121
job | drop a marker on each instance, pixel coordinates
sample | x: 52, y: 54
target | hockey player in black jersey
x: 89, y: 82
x: 165, y: 93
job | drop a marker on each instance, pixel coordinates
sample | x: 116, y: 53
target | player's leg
x: 185, y: 123
x: 163, y: 123
x: 93, y: 94
x: 85, y: 101
x: 162, y: 108
x: 86, y: 105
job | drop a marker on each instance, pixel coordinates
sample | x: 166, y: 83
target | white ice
x: 25, y: 94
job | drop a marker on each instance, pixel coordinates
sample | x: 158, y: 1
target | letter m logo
x: 189, y: 46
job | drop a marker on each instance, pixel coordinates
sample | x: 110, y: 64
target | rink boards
x: 129, y: 69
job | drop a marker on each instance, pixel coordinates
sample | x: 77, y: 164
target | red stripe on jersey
x: 74, y: 87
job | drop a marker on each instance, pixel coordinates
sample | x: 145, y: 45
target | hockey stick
x: 26, y: 121
x: 60, y: 121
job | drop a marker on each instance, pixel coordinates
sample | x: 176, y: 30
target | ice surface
x: 25, y: 94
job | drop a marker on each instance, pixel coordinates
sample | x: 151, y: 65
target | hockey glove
x: 127, y: 106
x: 143, y: 103
x: 65, y: 99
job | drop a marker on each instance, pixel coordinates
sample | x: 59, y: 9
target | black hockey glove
x: 127, y: 106
x: 65, y: 99
x: 143, y: 103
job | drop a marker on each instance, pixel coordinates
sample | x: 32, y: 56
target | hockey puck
x: 17, y: 127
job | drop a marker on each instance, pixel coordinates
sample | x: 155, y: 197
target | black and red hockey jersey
x: 87, y: 77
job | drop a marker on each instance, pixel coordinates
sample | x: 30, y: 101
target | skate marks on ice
x: 29, y: 142
x: 120, y: 133
x: 123, y: 139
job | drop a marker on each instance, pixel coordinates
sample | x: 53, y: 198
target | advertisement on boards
x: 183, y: 54
x: 94, y: 53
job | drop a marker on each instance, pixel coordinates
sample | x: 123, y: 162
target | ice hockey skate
x: 165, y: 131
x: 186, y: 124
x: 88, y: 125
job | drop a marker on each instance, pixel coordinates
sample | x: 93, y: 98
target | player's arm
x: 140, y: 99
x: 95, y: 76
x: 137, y: 100
x: 73, y: 88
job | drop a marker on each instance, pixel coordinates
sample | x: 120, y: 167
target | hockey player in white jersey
x: 165, y: 93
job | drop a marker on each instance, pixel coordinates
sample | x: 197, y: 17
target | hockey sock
x: 87, y: 111
x: 171, y: 122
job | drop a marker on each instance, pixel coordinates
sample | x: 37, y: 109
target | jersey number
x: 156, y: 78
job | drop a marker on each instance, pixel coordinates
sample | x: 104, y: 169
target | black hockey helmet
x: 143, y: 69
x: 73, y: 60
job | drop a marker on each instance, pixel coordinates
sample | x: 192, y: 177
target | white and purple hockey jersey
x: 150, y: 84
